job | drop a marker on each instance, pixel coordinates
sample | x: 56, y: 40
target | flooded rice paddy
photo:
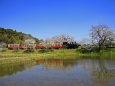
x: 56, y: 72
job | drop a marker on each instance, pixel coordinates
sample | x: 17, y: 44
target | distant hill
x: 10, y: 36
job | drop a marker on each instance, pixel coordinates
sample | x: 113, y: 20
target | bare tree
x: 101, y: 36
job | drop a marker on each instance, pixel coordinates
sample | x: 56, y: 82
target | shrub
x: 15, y: 50
x: 29, y: 51
x: 45, y: 50
x: 3, y: 50
x: 87, y: 50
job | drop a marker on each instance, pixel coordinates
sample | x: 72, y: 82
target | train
x: 65, y: 45
x: 18, y: 46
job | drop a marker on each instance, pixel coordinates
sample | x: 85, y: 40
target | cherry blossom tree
x: 101, y: 36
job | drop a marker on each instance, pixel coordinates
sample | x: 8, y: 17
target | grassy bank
x: 9, y: 56
x: 39, y: 53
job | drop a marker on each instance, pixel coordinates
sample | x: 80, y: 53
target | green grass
x: 10, y: 56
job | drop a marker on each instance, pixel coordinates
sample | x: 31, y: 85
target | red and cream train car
x: 18, y: 46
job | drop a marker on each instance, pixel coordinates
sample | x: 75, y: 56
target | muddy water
x: 55, y: 72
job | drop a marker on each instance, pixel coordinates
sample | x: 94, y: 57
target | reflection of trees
x: 88, y: 64
x: 103, y: 74
x: 102, y: 71
x: 9, y: 69
x: 61, y: 65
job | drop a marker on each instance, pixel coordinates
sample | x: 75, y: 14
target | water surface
x: 55, y: 72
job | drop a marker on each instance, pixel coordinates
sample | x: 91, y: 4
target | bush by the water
x: 16, y: 50
x: 45, y: 50
x: 87, y: 50
x: 29, y: 51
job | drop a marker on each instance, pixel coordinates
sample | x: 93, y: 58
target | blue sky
x: 47, y: 18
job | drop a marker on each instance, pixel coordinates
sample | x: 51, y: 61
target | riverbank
x: 10, y: 56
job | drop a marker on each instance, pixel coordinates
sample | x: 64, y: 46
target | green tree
x: 12, y: 36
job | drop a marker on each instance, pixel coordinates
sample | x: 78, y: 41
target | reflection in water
x: 13, y: 68
x: 103, y: 73
x: 93, y: 72
x: 88, y: 64
x: 60, y: 65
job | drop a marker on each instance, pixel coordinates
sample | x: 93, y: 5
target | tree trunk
x: 99, y: 48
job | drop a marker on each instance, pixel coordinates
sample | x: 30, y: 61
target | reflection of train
x: 54, y: 61
x: 64, y: 45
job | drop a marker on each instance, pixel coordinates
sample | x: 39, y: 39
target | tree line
x: 100, y: 37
